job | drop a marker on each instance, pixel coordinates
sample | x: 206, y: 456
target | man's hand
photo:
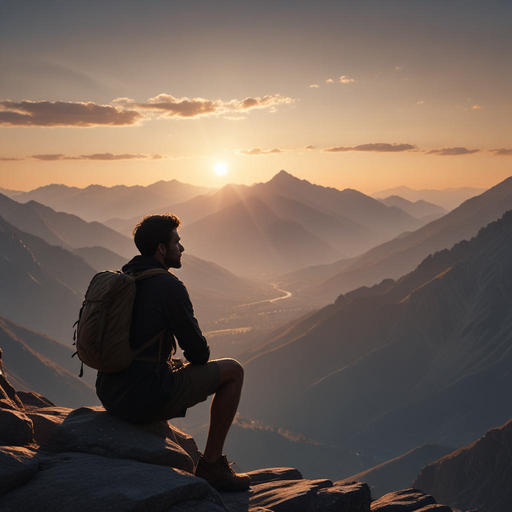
x: 177, y: 363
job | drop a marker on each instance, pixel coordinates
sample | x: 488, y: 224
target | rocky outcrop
x: 476, y: 477
x: 408, y: 500
x: 85, y: 459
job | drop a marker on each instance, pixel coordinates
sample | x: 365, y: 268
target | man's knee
x: 230, y: 370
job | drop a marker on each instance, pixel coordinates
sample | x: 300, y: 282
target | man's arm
x: 185, y: 326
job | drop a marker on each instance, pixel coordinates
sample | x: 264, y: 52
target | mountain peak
x: 283, y: 175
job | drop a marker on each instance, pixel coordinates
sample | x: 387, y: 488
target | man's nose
x: 182, y: 249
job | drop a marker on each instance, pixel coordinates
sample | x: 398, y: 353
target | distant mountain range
x: 448, y: 198
x: 99, y: 203
x: 423, y: 360
x: 401, y: 255
x: 283, y: 224
x: 420, y: 209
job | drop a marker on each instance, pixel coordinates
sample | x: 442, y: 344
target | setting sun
x: 221, y: 169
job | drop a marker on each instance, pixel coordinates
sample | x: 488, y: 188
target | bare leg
x: 224, y: 407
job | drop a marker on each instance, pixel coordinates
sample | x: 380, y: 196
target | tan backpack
x: 103, y: 331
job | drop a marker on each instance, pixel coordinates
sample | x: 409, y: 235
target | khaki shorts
x: 191, y: 384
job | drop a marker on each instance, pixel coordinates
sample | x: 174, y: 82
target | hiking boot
x: 220, y: 475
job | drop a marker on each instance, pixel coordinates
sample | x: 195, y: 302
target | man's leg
x: 224, y: 407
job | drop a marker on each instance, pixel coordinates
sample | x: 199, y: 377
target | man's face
x: 172, y: 256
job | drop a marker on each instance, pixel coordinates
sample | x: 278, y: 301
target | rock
x: 15, y: 428
x: 406, y: 500
x: 8, y: 398
x: 46, y: 421
x: 93, y: 430
x: 17, y: 466
x: 436, y: 508
x: 30, y: 398
x: 301, y: 495
x: 269, y: 475
x: 83, y: 483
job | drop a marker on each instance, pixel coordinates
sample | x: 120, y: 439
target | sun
x: 221, y: 169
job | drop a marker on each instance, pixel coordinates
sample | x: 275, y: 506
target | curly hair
x: 153, y: 230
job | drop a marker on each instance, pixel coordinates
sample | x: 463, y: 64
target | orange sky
x: 401, y: 94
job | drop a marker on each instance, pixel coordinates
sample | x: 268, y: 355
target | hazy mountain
x: 100, y: 258
x: 448, y: 198
x: 419, y: 209
x: 57, y: 228
x: 249, y: 238
x: 476, y: 477
x: 424, y: 360
x: 10, y: 193
x: 38, y: 363
x: 399, y: 472
x: 400, y: 255
x: 98, y: 203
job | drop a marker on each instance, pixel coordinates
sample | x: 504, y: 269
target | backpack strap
x: 150, y: 273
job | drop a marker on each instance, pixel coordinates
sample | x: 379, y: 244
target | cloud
x: 100, y: 156
x: 170, y: 106
x: 60, y: 113
x: 310, y: 147
x: 452, y: 151
x: 421, y: 102
x: 258, y: 151
x: 477, y: 107
x: 397, y: 68
x: 329, y: 81
x: 346, y: 80
x: 10, y: 159
x: 314, y: 86
x: 378, y: 147
x: 502, y: 151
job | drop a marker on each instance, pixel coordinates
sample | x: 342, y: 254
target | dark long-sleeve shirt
x: 161, y: 302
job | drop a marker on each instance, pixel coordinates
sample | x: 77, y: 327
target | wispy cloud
x: 10, y: 159
x: 309, y: 147
x: 314, y: 86
x: 60, y: 113
x: 329, y: 81
x: 378, y: 147
x: 99, y: 156
x: 259, y: 151
x: 502, y: 151
x: 457, y: 151
x: 477, y: 107
x: 187, y: 108
x: 346, y: 80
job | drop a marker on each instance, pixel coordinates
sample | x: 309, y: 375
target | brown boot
x: 220, y: 475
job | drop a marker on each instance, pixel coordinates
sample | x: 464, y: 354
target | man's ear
x: 162, y: 249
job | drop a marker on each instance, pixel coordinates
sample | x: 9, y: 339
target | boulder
x: 301, y: 495
x: 15, y: 428
x: 32, y: 399
x: 93, y: 430
x: 260, y: 476
x: 8, y: 397
x: 407, y: 500
x: 46, y: 421
x: 81, y: 482
x: 17, y: 466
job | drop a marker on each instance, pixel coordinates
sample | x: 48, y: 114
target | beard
x: 172, y: 261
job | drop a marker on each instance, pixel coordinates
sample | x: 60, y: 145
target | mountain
x: 99, y: 203
x: 419, y: 209
x: 249, y: 238
x: 448, y: 198
x: 63, y: 229
x: 399, y: 472
x: 401, y: 255
x: 475, y: 477
x: 10, y: 193
x: 42, y: 285
x: 38, y: 363
x: 423, y: 360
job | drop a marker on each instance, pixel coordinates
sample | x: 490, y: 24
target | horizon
x: 367, y: 97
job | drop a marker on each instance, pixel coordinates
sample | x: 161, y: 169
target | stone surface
x: 46, y: 421
x: 15, y: 428
x: 406, y: 500
x: 301, y: 495
x: 84, y: 483
x: 270, y: 474
x: 92, y: 430
x: 8, y: 398
x: 30, y: 398
x: 17, y: 466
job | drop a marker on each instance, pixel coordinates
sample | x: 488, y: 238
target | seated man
x: 153, y: 387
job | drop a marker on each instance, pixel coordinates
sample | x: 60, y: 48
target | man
x: 152, y: 388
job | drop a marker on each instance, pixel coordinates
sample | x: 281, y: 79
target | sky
x: 361, y: 94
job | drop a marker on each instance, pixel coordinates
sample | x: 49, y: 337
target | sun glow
x: 221, y: 169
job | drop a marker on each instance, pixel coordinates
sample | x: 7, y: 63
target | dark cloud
x: 170, y: 106
x: 10, y: 159
x: 100, y: 156
x: 258, y: 151
x: 310, y: 147
x: 502, y: 152
x: 60, y: 113
x: 452, y: 151
x: 378, y: 147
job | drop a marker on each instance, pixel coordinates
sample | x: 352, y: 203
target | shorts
x: 191, y: 384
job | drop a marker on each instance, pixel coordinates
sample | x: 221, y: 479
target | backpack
x: 103, y: 332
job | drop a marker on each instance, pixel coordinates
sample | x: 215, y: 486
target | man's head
x: 156, y: 236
